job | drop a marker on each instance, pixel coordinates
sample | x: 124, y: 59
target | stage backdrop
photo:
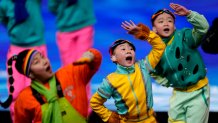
x: 110, y: 14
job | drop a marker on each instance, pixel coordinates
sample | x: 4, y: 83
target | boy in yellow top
x: 130, y: 84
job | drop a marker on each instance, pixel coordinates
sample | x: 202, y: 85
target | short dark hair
x: 161, y: 11
x: 118, y: 42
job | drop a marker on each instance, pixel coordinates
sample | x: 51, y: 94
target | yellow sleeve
x: 158, y: 47
x: 97, y: 104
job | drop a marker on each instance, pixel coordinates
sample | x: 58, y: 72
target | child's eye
x: 35, y: 62
x: 160, y: 21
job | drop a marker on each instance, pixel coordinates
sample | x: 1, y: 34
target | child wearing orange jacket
x: 53, y: 97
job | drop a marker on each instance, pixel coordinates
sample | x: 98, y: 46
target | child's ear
x: 154, y: 29
x: 113, y: 58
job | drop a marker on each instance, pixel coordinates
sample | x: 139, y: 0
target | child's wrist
x: 188, y: 12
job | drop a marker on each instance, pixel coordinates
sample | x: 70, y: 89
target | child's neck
x: 167, y: 39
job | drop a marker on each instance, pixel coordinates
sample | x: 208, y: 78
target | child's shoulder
x: 183, y: 32
x: 113, y: 77
x: 26, y: 93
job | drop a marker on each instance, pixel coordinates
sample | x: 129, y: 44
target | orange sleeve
x: 74, y: 78
x: 143, y: 33
x: 85, y: 72
x: 26, y: 108
x: 95, y: 64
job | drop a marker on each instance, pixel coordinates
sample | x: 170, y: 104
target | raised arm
x: 87, y: 65
x: 199, y: 22
x: 142, y: 32
x: 92, y: 58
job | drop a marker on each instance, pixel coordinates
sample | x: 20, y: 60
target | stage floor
x: 161, y: 117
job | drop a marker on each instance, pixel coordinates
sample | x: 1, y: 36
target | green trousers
x: 190, y: 107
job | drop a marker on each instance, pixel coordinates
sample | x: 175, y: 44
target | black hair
x: 161, y: 11
x: 18, y: 65
x: 118, y: 42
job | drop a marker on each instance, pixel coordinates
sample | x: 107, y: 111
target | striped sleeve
x: 105, y: 89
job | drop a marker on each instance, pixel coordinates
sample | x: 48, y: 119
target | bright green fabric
x: 69, y: 114
x: 52, y: 114
x: 184, y: 104
x: 57, y: 110
x: 181, y: 62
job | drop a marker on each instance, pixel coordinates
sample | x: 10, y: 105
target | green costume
x: 184, y: 70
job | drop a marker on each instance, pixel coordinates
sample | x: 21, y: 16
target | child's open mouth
x: 166, y: 30
x: 48, y: 68
x: 129, y: 58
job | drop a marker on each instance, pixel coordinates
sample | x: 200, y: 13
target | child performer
x: 181, y: 65
x: 58, y: 97
x: 130, y: 84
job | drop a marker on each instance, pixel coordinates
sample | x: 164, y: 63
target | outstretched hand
x: 130, y: 26
x: 179, y: 9
x: 87, y: 57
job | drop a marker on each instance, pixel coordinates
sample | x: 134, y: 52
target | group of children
x: 174, y: 61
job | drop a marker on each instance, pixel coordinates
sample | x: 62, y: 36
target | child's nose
x: 128, y: 51
x: 45, y: 62
x: 166, y: 23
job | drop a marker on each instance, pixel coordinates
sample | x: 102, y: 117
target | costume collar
x: 125, y: 70
x: 166, y: 40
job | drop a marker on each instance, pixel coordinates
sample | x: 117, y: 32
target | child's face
x: 164, y: 25
x: 40, y: 68
x: 124, y: 55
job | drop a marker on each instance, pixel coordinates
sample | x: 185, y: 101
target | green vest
x: 181, y: 62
